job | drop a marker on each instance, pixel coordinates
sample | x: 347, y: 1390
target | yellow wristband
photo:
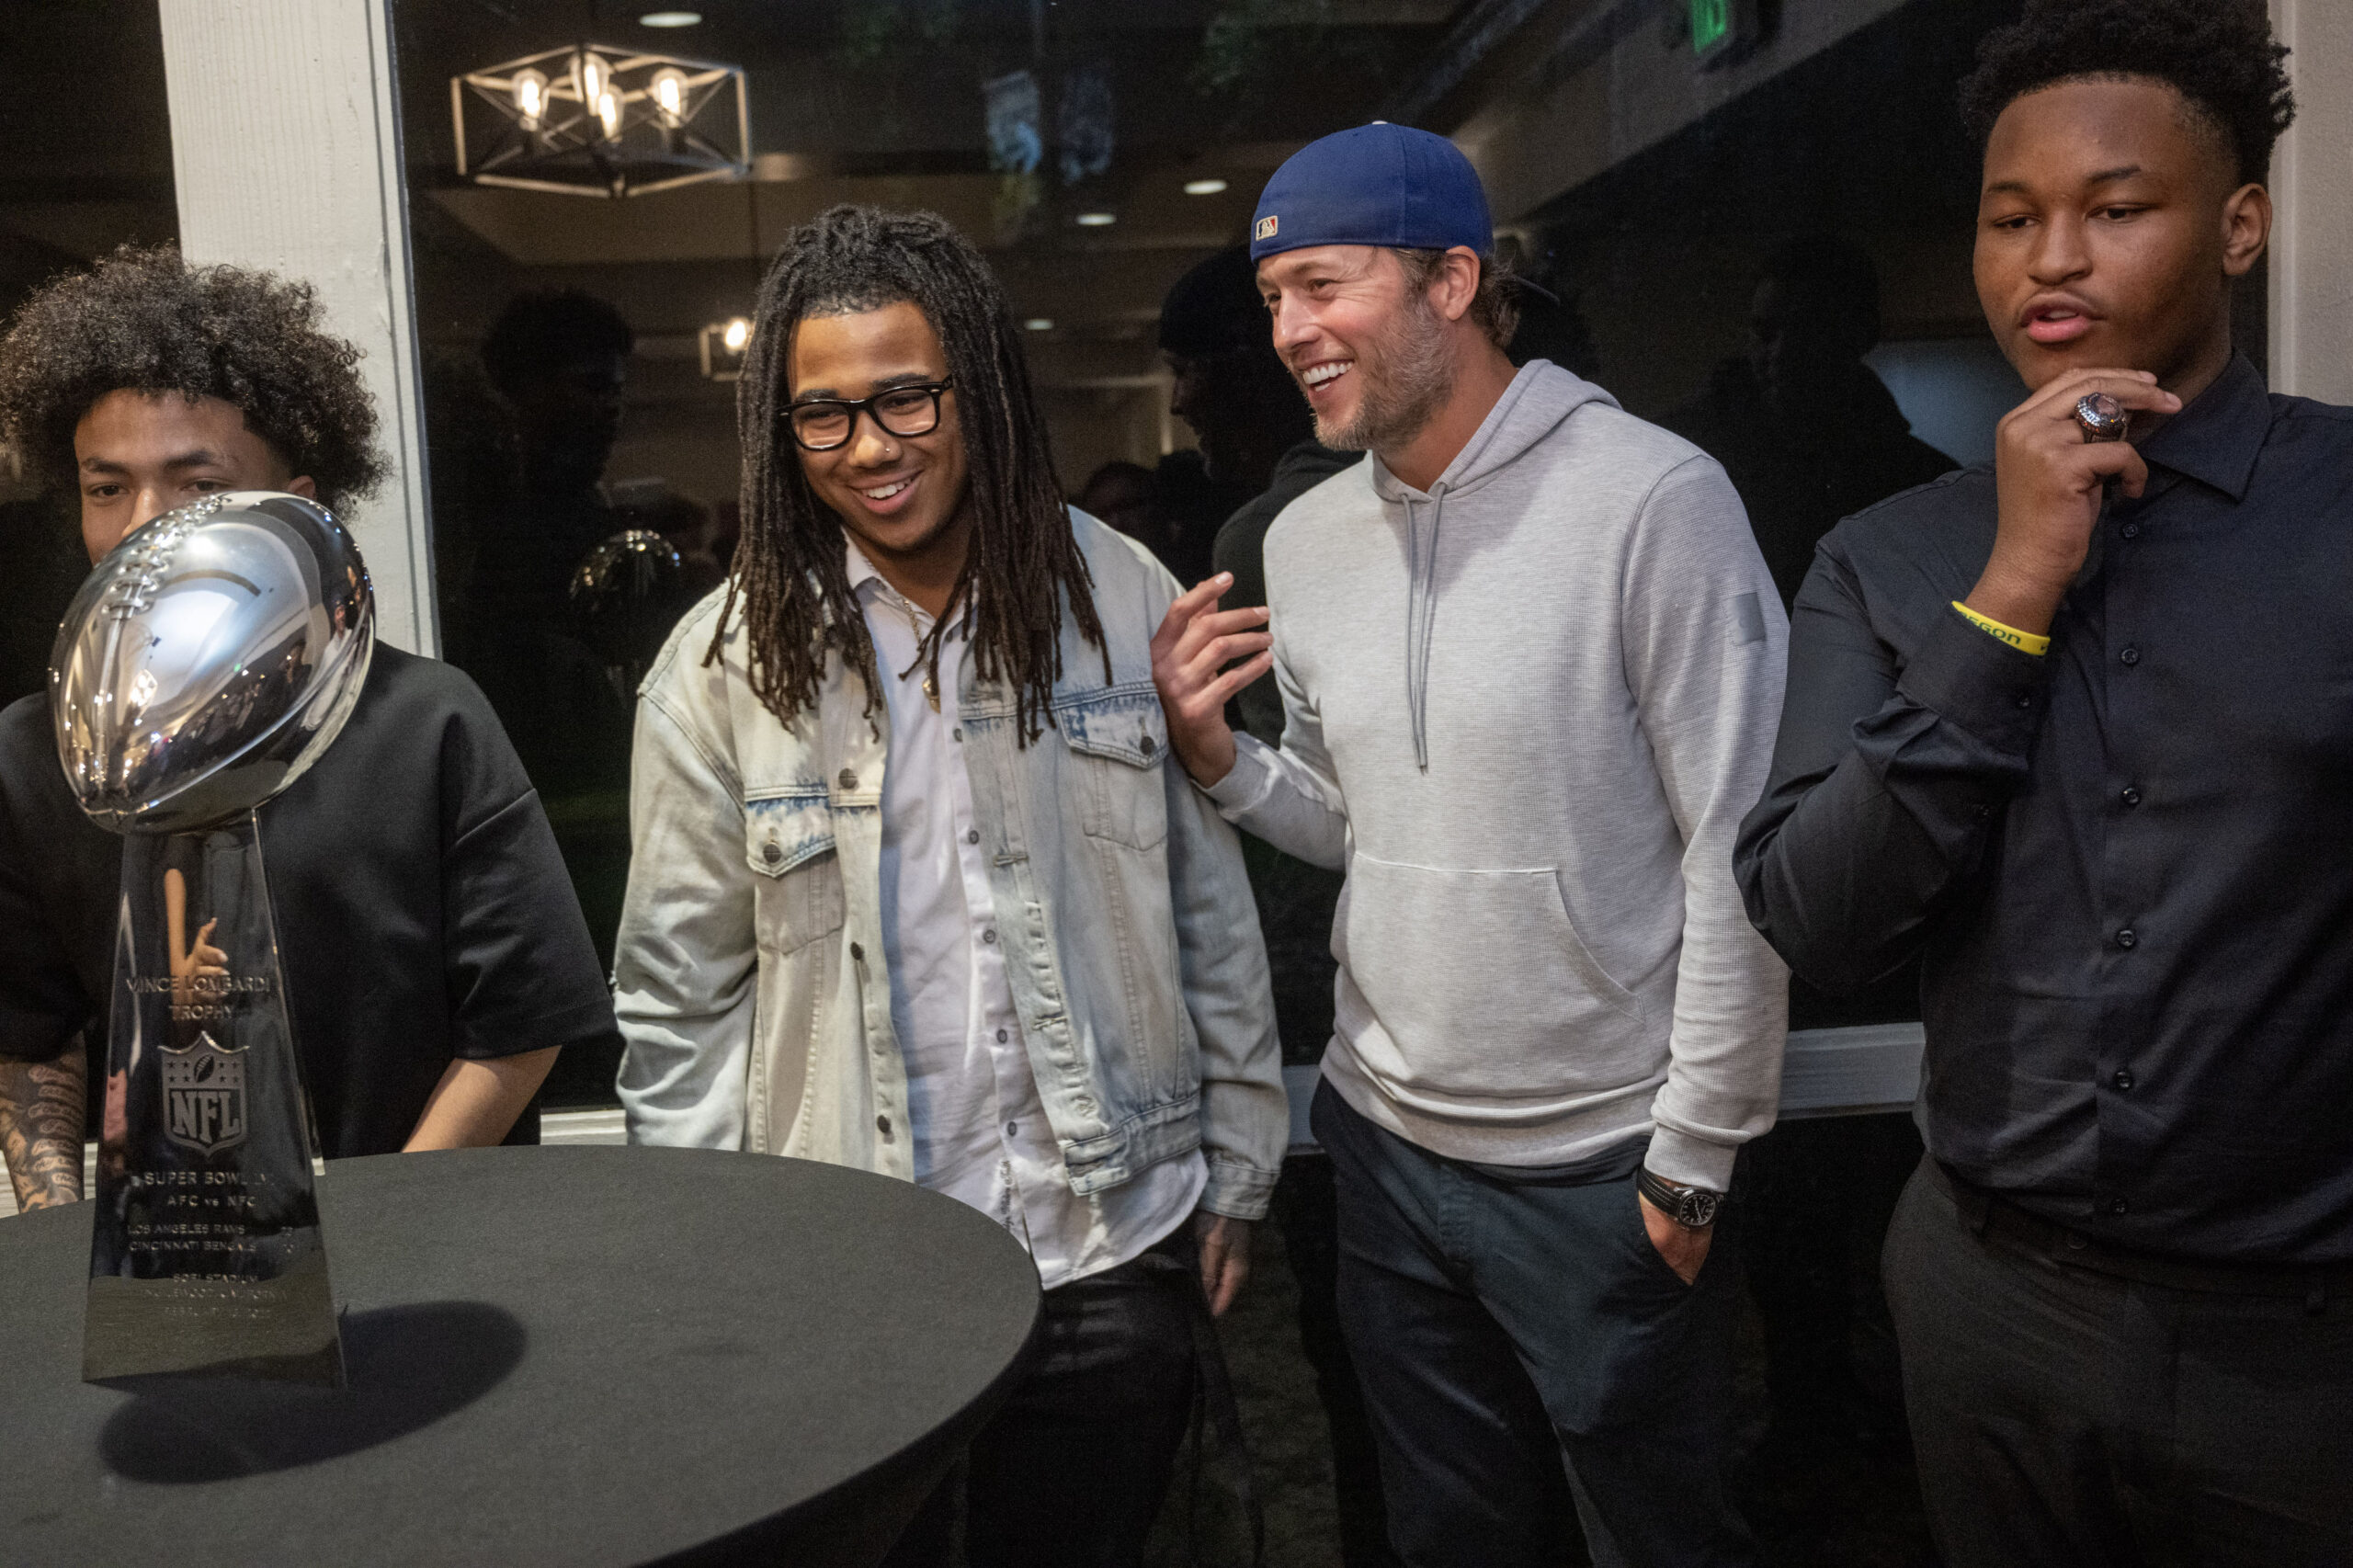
x: 2025, y: 641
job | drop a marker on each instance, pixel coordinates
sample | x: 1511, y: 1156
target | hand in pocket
x: 1682, y: 1249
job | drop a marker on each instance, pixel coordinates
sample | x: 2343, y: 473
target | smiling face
x: 138, y: 455
x: 2108, y: 228
x: 902, y: 498
x: 1365, y: 346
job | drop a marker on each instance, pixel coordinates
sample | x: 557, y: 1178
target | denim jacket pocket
x: 789, y: 841
x: 1119, y: 738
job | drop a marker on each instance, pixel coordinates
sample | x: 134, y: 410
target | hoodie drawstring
x: 1421, y: 615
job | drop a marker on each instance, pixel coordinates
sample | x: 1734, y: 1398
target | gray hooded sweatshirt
x: 1525, y: 711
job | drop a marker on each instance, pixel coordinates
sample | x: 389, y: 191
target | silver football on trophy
x: 209, y: 660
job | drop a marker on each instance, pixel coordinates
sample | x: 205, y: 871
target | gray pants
x: 2069, y: 1418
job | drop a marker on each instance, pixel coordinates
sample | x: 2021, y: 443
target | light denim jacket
x: 750, y: 977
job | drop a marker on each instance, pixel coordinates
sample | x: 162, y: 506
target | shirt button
x: 1012, y: 1128
x: 1001, y: 1037
x: 972, y: 836
x: 2125, y: 938
x: 772, y: 853
x: 957, y: 734
x: 848, y: 779
x: 2123, y: 1079
x: 1146, y: 745
x: 2130, y: 797
x: 2131, y: 530
x: 2130, y: 655
x: 2117, y: 1207
x: 988, y: 936
x: 856, y: 953
x: 882, y: 1125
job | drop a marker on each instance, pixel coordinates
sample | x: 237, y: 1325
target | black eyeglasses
x: 911, y: 409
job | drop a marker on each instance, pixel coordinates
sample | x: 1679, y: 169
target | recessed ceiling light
x: 669, y: 19
x: 1096, y: 219
x: 1040, y: 324
x: 1203, y: 187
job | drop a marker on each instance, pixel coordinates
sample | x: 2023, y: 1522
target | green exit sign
x: 1711, y: 23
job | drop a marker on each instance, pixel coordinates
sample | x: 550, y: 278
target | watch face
x: 1698, y: 1208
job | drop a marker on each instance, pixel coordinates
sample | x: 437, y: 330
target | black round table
x: 575, y: 1356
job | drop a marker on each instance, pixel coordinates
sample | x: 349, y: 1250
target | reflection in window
x: 81, y: 172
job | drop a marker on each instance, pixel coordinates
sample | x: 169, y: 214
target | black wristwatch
x: 1693, y: 1208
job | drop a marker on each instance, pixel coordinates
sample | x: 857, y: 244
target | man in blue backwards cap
x: 1530, y: 662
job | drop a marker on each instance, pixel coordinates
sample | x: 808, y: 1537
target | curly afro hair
x: 146, y: 321
x: 2219, y: 54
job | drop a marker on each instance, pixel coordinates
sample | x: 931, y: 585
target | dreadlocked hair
x: 789, y: 573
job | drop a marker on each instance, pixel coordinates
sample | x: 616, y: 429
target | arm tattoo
x: 41, y: 1128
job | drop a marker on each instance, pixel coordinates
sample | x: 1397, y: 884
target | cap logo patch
x: 1265, y: 229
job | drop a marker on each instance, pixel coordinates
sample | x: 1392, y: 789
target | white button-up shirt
x: 979, y: 1127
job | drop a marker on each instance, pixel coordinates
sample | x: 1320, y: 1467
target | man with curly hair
x: 2075, y: 730
x: 435, y: 958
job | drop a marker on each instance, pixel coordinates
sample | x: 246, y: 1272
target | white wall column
x: 2312, y: 247
x: 286, y: 149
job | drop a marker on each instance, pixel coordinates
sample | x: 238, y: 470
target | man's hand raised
x: 2050, y: 481
x: 1190, y: 653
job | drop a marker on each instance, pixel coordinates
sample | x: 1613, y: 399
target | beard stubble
x: 1408, y: 375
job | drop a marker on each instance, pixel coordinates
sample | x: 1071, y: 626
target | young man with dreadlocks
x: 914, y: 888
x: 2073, y: 729
x: 435, y: 958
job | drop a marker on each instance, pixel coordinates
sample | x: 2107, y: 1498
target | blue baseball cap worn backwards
x: 1377, y: 185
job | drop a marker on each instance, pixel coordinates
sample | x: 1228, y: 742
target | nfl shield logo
x: 204, y: 1096
x: 1265, y: 229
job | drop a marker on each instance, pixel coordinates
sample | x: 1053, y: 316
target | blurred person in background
x: 1120, y: 495
x: 1807, y: 431
x: 1807, y: 434
x: 559, y: 357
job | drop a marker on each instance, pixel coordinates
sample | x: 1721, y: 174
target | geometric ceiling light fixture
x: 593, y: 120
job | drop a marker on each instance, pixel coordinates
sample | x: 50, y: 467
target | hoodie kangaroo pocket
x: 1477, y: 976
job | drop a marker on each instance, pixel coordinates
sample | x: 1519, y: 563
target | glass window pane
x: 86, y: 164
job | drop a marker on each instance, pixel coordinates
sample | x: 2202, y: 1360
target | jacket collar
x: 2217, y: 438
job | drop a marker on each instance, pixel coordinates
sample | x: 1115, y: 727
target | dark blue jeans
x: 1531, y: 1361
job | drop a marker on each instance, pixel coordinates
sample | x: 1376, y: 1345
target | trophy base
x: 281, y: 1330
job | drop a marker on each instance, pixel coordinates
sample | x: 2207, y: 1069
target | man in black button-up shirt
x: 2079, y: 731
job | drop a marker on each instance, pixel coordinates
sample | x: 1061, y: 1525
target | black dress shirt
x: 2128, y: 863
x: 423, y: 911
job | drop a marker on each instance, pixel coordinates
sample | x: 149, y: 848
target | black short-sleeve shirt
x: 423, y: 911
